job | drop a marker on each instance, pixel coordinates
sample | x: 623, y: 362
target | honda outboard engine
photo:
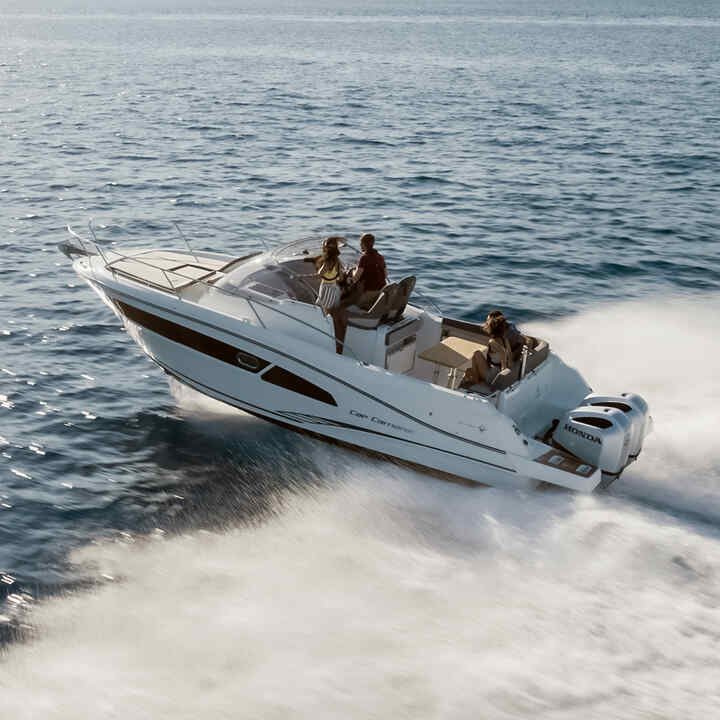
x: 636, y: 410
x: 606, y: 430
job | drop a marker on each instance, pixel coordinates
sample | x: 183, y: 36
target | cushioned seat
x: 481, y: 388
x: 369, y: 319
x: 537, y: 356
x: 392, y: 291
x: 504, y: 379
x: 399, y: 298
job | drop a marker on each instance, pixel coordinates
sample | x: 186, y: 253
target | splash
x: 665, y: 349
x: 195, y: 403
x: 390, y: 594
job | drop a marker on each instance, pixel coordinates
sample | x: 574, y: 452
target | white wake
x: 391, y: 594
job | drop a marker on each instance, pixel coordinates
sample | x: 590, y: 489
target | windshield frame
x: 273, y: 280
x: 312, y: 247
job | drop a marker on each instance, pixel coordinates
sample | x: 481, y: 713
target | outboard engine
x: 606, y: 430
x: 598, y: 435
x: 636, y: 410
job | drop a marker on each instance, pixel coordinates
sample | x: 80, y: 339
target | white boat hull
x: 224, y: 354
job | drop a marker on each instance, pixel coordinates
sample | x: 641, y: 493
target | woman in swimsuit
x: 486, y: 364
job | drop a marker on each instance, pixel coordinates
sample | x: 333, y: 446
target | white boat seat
x: 389, y: 306
x: 369, y: 319
x: 481, y: 389
x: 392, y: 290
x: 504, y: 379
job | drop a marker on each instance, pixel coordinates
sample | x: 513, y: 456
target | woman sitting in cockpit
x: 486, y: 364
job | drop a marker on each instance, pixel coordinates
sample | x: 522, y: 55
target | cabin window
x: 193, y: 339
x: 290, y: 381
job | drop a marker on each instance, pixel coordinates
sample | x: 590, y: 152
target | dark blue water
x: 558, y: 160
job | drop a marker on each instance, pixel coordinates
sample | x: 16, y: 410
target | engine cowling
x: 600, y: 435
x: 636, y: 410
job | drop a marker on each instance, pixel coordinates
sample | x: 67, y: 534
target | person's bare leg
x: 479, y: 367
x: 340, y: 325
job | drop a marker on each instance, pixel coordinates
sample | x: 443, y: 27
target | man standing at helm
x: 368, y: 279
x: 370, y: 276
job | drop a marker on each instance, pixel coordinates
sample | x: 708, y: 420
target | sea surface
x: 162, y: 556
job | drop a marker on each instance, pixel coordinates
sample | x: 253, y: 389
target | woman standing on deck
x: 331, y: 272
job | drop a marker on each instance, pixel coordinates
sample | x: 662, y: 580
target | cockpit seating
x: 505, y: 378
x: 399, y: 299
x: 369, y: 319
x: 387, y: 308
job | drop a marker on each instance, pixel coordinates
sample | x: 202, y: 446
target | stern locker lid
x: 598, y: 435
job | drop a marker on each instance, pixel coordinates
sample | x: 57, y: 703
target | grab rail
x: 237, y: 292
x: 243, y: 294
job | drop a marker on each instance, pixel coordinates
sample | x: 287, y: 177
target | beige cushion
x: 452, y: 352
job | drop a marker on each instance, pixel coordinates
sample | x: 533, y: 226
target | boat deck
x: 166, y: 270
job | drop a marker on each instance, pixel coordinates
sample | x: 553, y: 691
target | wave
x: 662, y: 348
x: 378, y: 590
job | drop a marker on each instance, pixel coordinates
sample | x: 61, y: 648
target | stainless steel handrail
x: 242, y: 294
x: 121, y: 256
x: 134, y: 258
x: 428, y: 300
x: 182, y: 235
x: 246, y: 295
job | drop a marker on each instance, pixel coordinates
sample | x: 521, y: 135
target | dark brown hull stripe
x: 190, y: 338
x: 225, y: 353
x: 112, y: 292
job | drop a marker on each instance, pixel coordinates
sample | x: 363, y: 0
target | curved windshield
x: 291, y: 273
x: 313, y: 248
x: 277, y: 281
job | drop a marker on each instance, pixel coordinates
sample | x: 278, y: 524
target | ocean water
x: 163, y: 556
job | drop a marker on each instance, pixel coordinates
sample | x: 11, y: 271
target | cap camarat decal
x: 583, y: 434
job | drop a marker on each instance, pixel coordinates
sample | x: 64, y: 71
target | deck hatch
x: 191, y: 338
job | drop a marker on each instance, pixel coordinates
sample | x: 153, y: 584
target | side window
x: 290, y: 381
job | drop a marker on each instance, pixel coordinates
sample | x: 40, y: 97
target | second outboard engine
x: 597, y: 434
x: 636, y: 410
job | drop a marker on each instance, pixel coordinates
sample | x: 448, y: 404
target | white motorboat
x: 246, y: 331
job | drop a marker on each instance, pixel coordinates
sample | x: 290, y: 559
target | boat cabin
x: 278, y: 290
x: 394, y: 334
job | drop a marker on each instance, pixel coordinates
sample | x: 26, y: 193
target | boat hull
x: 248, y: 367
